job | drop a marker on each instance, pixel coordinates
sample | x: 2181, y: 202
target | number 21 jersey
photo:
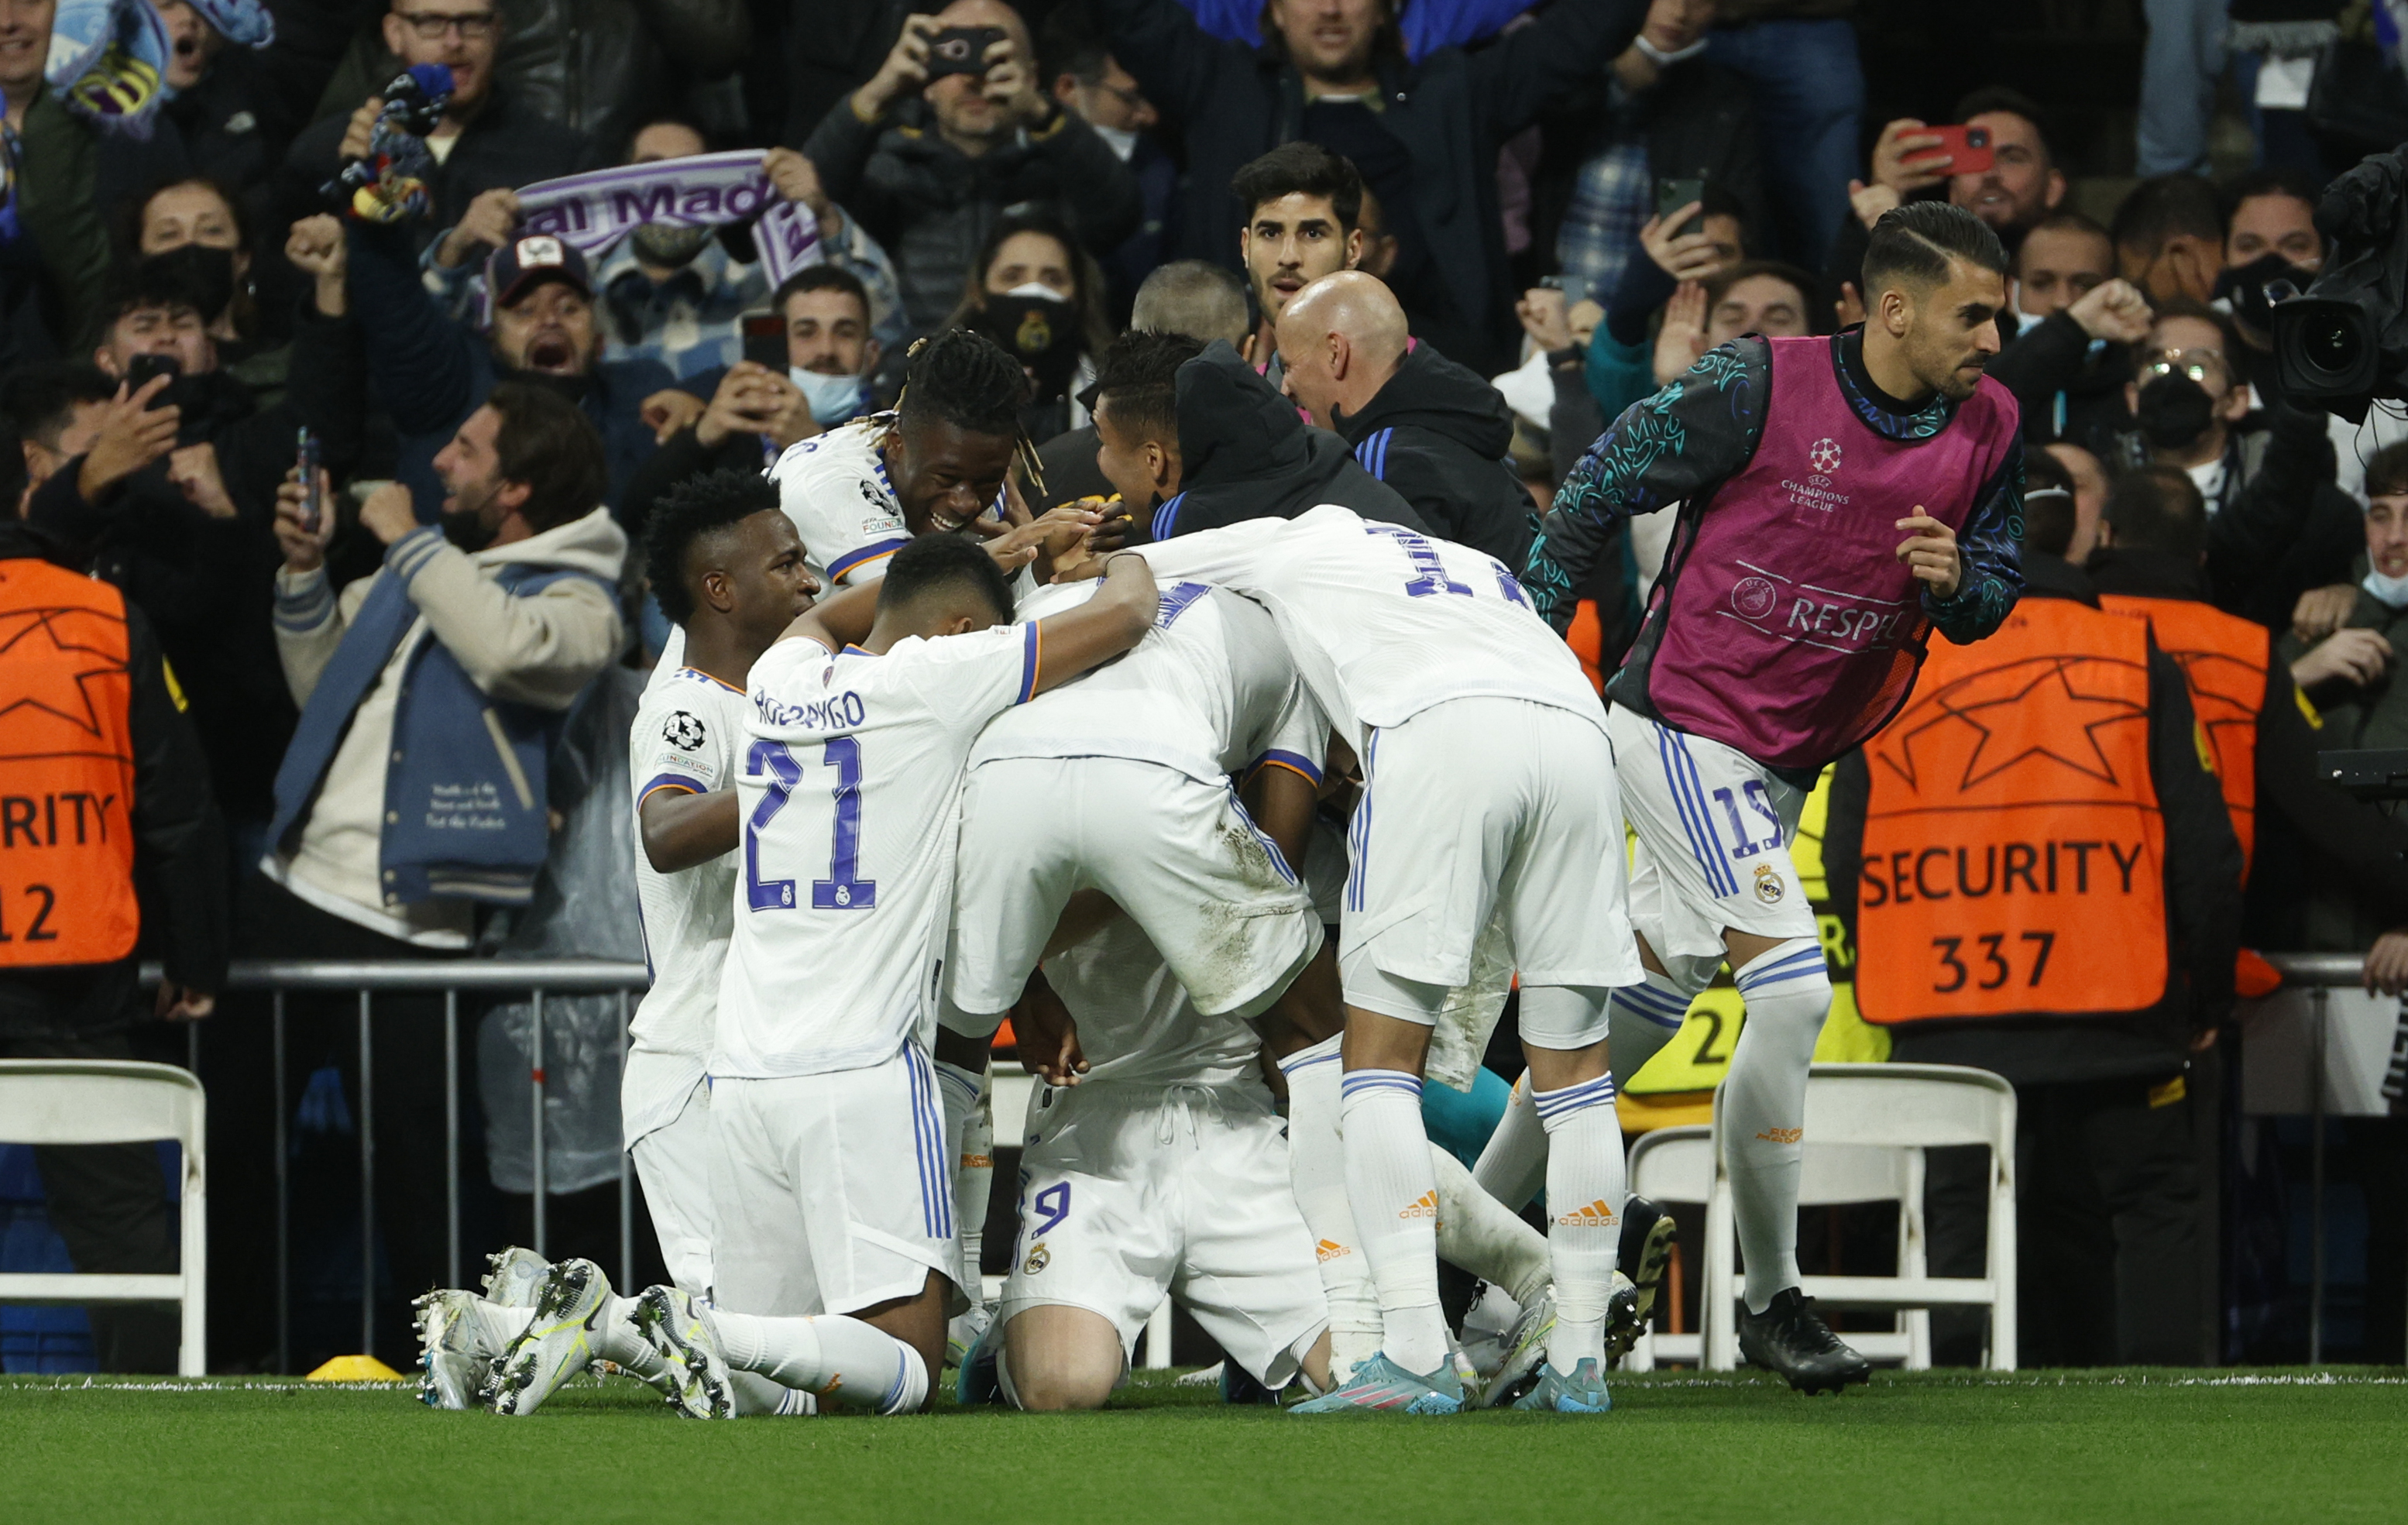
x: 848, y: 786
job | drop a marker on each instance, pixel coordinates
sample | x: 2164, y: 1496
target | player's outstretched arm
x: 1106, y: 625
x: 680, y: 830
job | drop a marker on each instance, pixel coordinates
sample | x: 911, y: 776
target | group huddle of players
x: 909, y: 768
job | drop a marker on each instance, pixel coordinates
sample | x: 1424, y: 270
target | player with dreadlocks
x: 937, y: 463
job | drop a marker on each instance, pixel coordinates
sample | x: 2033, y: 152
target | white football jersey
x: 1135, y: 1021
x: 1384, y: 623
x: 850, y: 782
x: 1210, y: 691
x: 688, y: 729
x: 834, y: 487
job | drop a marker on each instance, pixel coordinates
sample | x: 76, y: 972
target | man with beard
x: 414, y: 791
x: 1834, y: 508
x: 434, y: 373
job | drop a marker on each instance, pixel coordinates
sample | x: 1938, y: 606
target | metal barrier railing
x: 2318, y: 973
x: 538, y: 978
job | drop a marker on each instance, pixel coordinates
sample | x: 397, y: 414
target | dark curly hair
x: 695, y: 507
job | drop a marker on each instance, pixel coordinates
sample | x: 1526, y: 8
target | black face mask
x: 2245, y: 287
x: 194, y: 273
x: 2173, y: 411
x: 1042, y: 333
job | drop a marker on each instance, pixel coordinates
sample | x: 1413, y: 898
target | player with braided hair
x: 936, y: 463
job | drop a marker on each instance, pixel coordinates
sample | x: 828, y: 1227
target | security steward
x: 102, y: 782
x: 2042, y: 880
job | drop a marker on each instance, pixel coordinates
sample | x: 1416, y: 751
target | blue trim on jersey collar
x: 1166, y: 516
x: 699, y: 675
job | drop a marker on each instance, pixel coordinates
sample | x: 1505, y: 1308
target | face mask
x: 2393, y: 591
x: 1122, y: 141
x: 1040, y: 330
x: 194, y: 273
x: 670, y: 248
x: 2254, y: 288
x: 833, y: 398
x: 2173, y: 411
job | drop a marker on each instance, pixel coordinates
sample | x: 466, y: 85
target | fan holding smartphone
x: 1994, y: 160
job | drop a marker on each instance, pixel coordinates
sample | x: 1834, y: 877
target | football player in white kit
x: 1488, y: 788
x: 833, y: 1240
x: 1161, y: 1169
x: 729, y: 572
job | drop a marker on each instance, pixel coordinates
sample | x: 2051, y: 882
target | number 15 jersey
x: 848, y: 786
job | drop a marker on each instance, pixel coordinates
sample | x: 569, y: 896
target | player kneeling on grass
x: 834, y: 1240
x: 1154, y: 1165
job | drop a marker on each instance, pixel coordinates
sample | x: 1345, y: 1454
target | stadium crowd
x: 368, y: 419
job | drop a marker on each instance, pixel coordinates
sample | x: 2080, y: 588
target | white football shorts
x: 830, y: 1193
x: 1713, y: 827
x: 673, y: 1162
x: 1180, y: 856
x: 1129, y: 1193
x: 1488, y: 807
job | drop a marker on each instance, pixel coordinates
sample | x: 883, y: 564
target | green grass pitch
x: 2060, y: 1448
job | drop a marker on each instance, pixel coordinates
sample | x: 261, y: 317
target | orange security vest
x: 2013, y: 851
x: 66, y: 769
x: 2223, y: 660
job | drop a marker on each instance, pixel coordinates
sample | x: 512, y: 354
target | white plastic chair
x: 117, y: 1102
x: 1671, y: 1165
x: 1867, y: 1126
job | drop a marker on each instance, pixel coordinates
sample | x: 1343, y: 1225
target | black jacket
x: 1244, y: 453
x: 931, y: 206
x: 2066, y: 389
x: 1450, y: 111
x: 1438, y: 434
x: 178, y: 863
x: 2202, y: 888
x: 2288, y: 530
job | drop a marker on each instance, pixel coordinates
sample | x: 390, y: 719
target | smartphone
x: 1671, y: 195
x: 145, y: 368
x: 961, y: 49
x: 765, y: 340
x: 305, y: 461
x: 1968, y: 149
x: 1575, y: 288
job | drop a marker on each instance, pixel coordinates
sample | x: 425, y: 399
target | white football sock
x: 1394, y: 1191
x: 497, y: 1326
x: 957, y: 1097
x: 1584, y: 1196
x: 1317, y: 1171
x: 1645, y: 1017
x: 617, y: 1341
x: 1788, y: 994
x: 973, y: 1183
x: 1478, y: 1233
x: 756, y: 1396
x: 1514, y: 1163
x: 846, y: 1363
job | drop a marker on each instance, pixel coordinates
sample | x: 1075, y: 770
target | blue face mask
x: 833, y: 398
x: 2392, y: 590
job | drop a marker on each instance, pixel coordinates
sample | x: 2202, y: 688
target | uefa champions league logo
x: 1824, y: 456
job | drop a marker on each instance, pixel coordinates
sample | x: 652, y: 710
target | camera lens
x: 2333, y: 346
